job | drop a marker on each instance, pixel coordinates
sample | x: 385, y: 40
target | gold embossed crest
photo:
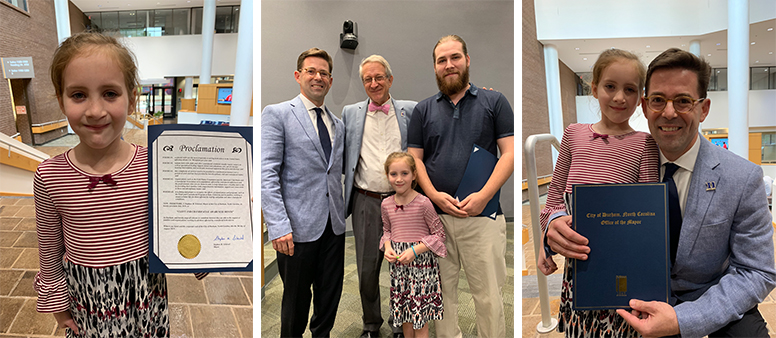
x: 189, y: 246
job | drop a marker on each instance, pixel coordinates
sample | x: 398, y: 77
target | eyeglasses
x: 682, y: 103
x: 378, y: 79
x: 312, y: 71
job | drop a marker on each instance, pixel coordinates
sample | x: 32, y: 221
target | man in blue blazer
x: 374, y: 128
x: 723, y: 262
x: 301, y: 167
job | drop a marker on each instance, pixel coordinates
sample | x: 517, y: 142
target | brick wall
x: 33, y: 34
x: 535, y: 114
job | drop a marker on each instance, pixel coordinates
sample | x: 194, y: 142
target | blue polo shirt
x: 447, y: 132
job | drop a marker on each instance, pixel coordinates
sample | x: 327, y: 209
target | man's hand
x: 284, y: 245
x: 474, y: 204
x: 565, y: 241
x: 65, y: 320
x: 651, y: 319
x: 448, y: 204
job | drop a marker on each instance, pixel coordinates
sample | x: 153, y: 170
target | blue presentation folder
x: 478, y: 170
x: 627, y: 226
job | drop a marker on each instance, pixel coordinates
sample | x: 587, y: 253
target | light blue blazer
x: 724, y: 262
x: 354, y: 116
x: 299, y: 189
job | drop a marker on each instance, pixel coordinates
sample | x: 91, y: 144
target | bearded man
x: 442, y: 132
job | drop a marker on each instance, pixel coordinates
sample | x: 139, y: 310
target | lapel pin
x: 710, y: 186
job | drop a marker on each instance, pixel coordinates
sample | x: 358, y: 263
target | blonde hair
x: 86, y: 43
x: 409, y: 159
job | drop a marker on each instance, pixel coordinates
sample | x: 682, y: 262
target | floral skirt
x: 124, y: 300
x: 416, y: 294
x: 594, y: 323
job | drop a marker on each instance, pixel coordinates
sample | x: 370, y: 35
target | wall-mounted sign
x: 21, y: 110
x: 18, y: 68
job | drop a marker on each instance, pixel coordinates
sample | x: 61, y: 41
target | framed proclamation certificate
x: 199, y: 191
x: 627, y: 226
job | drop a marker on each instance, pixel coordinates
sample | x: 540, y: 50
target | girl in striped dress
x: 91, y: 203
x: 412, y: 236
x: 608, y: 151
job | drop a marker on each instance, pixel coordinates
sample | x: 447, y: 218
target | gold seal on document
x: 189, y: 246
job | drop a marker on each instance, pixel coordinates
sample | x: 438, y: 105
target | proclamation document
x: 200, y: 188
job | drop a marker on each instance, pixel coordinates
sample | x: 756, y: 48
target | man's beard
x: 450, y: 89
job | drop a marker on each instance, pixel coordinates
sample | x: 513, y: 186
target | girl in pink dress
x: 412, y: 236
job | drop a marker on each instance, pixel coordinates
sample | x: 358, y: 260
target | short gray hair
x: 375, y: 58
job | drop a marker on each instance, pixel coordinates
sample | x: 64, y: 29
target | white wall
x: 762, y: 109
x: 181, y: 55
x: 573, y: 19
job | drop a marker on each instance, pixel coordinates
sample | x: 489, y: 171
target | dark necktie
x: 323, y: 134
x: 674, y: 210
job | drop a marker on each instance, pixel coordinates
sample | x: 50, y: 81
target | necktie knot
x: 384, y: 108
x: 671, y: 168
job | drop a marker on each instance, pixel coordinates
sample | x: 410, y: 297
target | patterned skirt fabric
x: 118, y: 301
x: 596, y: 323
x: 416, y: 294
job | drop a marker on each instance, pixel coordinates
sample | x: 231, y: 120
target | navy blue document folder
x: 478, y: 170
x: 627, y: 226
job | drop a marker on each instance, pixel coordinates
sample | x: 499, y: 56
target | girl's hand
x: 545, y: 264
x: 65, y: 320
x: 406, y: 257
x: 390, y: 255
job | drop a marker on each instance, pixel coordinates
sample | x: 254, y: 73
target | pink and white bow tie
x: 384, y: 108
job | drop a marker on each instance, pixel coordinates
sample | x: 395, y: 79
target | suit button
x: 327, y: 194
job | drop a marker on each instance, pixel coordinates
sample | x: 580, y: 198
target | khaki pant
x: 478, y: 245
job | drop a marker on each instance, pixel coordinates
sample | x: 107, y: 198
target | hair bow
x: 93, y: 181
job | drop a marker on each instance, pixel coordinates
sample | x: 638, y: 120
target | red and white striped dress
x: 586, y: 157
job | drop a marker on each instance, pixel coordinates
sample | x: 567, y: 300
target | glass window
x: 758, y: 77
x: 144, y: 20
x: 22, y: 4
x: 163, y: 21
x: 110, y: 21
x: 224, y: 19
x: 96, y: 22
x: 772, y: 80
x: 718, y: 81
x: 196, y: 20
x: 235, y: 19
x: 583, y: 84
x: 180, y: 18
x: 769, y: 148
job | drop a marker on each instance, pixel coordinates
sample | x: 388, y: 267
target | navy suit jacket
x: 299, y: 188
x: 724, y: 262
x: 354, y: 116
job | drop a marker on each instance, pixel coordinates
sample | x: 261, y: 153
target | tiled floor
x: 348, y: 322
x: 532, y: 310
x: 221, y: 305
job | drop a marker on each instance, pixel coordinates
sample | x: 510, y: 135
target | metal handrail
x: 13, y: 147
x: 547, y: 324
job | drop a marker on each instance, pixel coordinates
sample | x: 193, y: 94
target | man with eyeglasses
x: 720, y: 226
x: 301, y: 170
x: 375, y: 128
x: 442, y: 132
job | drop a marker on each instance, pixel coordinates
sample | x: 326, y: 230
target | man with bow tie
x: 374, y: 128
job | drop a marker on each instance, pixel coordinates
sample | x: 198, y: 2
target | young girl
x: 91, y: 203
x: 608, y: 151
x: 411, y: 228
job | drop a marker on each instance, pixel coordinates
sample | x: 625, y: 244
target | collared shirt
x: 447, y: 132
x: 309, y: 105
x: 683, y: 175
x: 381, y: 137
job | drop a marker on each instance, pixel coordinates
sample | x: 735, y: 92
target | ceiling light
x: 770, y: 29
x: 752, y: 43
x: 708, y: 54
x: 648, y: 46
x: 718, y: 43
x: 576, y: 48
x: 757, y: 61
x: 770, y: 53
x: 584, y: 59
